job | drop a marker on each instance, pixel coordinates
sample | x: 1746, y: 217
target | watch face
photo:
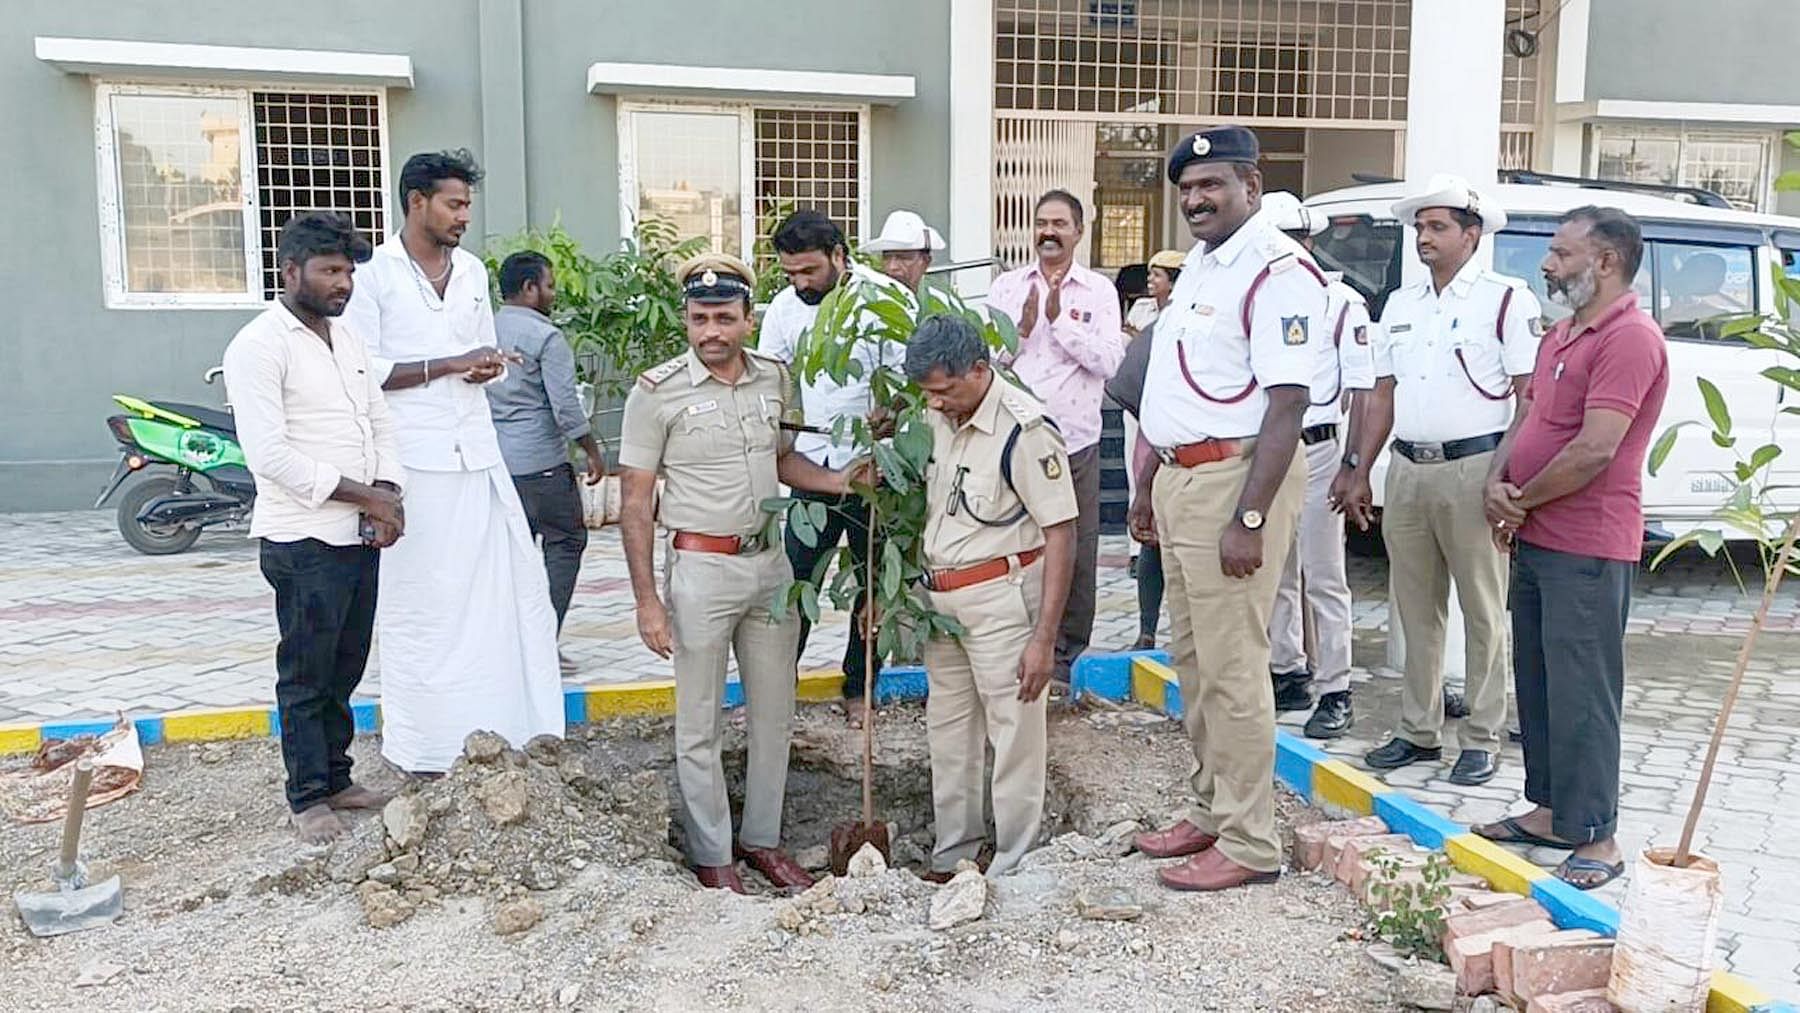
x: 1253, y: 519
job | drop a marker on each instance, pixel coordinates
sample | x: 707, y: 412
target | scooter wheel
x: 152, y: 541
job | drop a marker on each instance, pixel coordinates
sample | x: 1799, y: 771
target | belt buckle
x: 1165, y: 454
x: 749, y: 545
x: 1428, y: 453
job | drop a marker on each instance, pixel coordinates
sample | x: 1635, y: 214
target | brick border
x: 1142, y: 677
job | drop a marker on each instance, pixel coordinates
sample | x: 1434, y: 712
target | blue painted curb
x: 1404, y: 816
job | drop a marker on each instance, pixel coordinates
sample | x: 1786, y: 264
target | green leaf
x: 1711, y: 540
x: 801, y: 524
x: 1762, y: 455
x: 1721, y: 440
x: 1787, y: 181
x: 809, y: 602
x: 890, y: 571
x: 1675, y: 545
x: 1738, y: 326
x: 1715, y: 408
x: 815, y: 512
x: 1664, y: 444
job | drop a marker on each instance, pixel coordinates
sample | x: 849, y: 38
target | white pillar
x: 971, y: 141
x: 1453, y: 98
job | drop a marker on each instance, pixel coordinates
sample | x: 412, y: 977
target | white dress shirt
x: 823, y: 400
x: 1444, y: 352
x: 1347, y: 356
x: 444, y: 425
x: 308, y: 414
x: 1200, y: 340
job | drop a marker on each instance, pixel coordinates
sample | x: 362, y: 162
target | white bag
x: 1668, y: 930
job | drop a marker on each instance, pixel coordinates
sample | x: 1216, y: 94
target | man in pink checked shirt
x: 1070, y: 344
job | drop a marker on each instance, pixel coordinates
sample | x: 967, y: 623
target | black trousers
x: 552, y: 504
x: 1568, y: 615
x: 1149, y: 589
x: 1078, y: 615
x: 325, y: 606
x: 845, y: 516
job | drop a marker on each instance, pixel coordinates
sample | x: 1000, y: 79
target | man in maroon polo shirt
x: 1565, y: 496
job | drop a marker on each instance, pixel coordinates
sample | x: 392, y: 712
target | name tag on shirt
x: 702, y: 407
x: 1399, y: 328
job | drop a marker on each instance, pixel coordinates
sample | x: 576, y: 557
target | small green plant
x: 1409, y: 911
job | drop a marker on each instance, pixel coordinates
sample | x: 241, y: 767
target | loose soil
x: 226, y: 912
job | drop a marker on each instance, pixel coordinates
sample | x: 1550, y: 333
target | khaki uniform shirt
x: 964, y: 485
x: 715, y: 443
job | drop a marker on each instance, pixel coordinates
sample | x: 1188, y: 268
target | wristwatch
x: 1353, y: 460
x: 1252, y: 520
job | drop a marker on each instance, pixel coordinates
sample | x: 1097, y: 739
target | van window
x: 1367, y: 251
x: 1697, y: 284
x: 1521, y: 255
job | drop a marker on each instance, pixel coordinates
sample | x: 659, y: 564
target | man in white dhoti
x: 466, y: 635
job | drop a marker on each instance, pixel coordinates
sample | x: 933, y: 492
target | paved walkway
x: 89, y: 627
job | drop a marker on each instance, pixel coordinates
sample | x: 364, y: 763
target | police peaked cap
x: 716, y: 278
x: 1220, y: 144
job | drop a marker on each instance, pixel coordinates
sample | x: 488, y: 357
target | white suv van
x: 1700, y: 262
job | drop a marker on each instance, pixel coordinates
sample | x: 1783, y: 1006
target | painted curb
x: 1144, y: 678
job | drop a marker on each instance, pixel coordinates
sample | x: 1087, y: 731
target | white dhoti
x: 465, y: 631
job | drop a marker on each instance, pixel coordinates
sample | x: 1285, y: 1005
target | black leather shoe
x: 1291, y: 693
x: 1455, y: 707
x: 1515, y: 735
x: 1399, y: 753
x: 1474, y: 766
x: 1331, y: 718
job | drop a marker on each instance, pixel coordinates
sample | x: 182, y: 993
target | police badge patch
x: 1537, y: 327
x: 1362, y: 335
x: 1052, y: 465
x: 1293, y: 330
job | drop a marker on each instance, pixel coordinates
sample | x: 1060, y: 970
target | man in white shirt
x: 812, y: 252
x: 316, y: 433
x: 1451, y: 352
x: 468, y: 634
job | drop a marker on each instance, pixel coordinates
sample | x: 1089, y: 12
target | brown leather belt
x: 1193, y: 455
x: 969, y: 576
x: 728, y: 545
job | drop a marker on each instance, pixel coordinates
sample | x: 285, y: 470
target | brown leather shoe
x: 1179, y: 840
x: 1211, y: 870
x: 776, y: 867
x: 720, y: 877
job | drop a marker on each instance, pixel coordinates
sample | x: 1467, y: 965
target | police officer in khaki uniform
x: 999, y: 549
x: 709, y: 423
x: 1220, y: 487
x: 1453, y: 350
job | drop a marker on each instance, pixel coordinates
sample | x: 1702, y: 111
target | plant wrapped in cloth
x: 880, y: 319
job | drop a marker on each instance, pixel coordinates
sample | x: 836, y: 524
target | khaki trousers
x: 1318, y: 557
x: 973, y: 704
x: 720, y: 604
x: 1227, y: 701
x: 1435, y: 527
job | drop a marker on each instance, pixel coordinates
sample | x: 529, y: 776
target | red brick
x: 1357, y: 848
x: 1471, y: 957
x: 1489, y: 919
x: 1592, y: 1000
x: 1503, y: 959
x: 1412, y: 870
x: 1546, y: 968
x: 1309, y: 840
x: 1485, y: 898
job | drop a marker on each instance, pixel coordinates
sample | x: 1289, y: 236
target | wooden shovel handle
x: 869, y: 673
x: 71, y: 835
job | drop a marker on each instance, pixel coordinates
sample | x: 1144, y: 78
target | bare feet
x: 317, y: 825
x: 855, y: 713
x: 357, y: 797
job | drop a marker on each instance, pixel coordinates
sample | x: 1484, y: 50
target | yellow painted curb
x: 631, y: 698
x: 1731, y: 994
x: 1150, y: 680
x: 19, y: 739
x: 220, y: 723
x: 821, y: 686
x: 1336, y: 783
x: 1506, y: 871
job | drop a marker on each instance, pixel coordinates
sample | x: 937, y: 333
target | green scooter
x: 163, y: 514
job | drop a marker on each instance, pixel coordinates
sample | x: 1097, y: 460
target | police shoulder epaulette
x: 1026, y: 411
x: 1505, y: 280
x: 653, y: 377
x: 764, y: 356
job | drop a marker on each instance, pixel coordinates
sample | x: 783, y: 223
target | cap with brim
x: 1447, y: 191
x: 1220, y: 144
x: 905, y: 232
x: 1168, y: 260
x: 716, y: 278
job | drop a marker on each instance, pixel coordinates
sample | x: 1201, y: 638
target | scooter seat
x: 211, y: 418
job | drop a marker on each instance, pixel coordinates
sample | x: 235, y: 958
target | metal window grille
x: 809, y: 158
x: 1254, y: 61
x: 1516, y: 147
x: 317, y: 152
x: 1519, y: 75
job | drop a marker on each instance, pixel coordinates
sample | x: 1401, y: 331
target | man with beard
x: 1453, y: 350
x: 709, y: 423
x: 468, y: 635
x: 1565, y: 494
x: 812, y: 252
x: 1070, y: 343
x: 317, y: 436
x: 1220, y: 486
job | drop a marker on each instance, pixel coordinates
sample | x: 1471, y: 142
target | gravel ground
x: 226, y: 912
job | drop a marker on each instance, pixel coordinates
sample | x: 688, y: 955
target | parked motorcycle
x: 163, y: 514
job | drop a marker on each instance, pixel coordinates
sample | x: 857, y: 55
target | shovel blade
x: 848, y: 838
x: 64, y: 911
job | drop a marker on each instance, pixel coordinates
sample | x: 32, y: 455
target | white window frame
x: 746, y: 114
x: 112, y: 231
x: 1684, y: 134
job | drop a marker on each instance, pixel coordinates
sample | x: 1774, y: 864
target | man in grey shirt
x: 537, y: 412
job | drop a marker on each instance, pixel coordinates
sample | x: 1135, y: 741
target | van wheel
x: 152, y: 540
